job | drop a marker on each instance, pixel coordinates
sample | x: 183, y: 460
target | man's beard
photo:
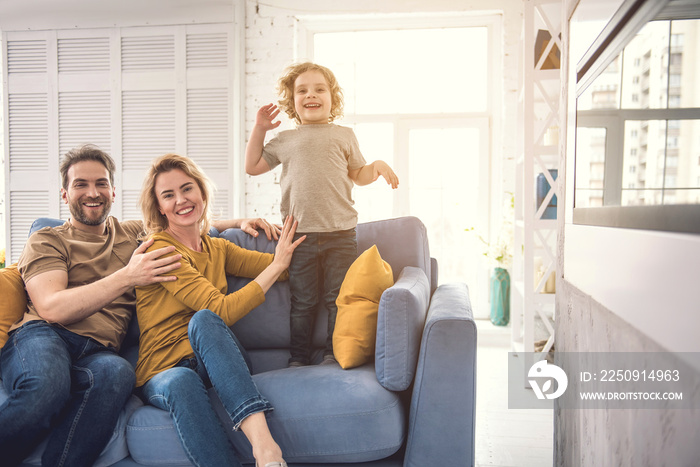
x: 78, y: 213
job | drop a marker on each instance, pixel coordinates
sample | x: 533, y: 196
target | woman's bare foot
x: 265, y: 449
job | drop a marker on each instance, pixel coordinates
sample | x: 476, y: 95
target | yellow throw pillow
x: 355, y: 332
x: 13, y: 303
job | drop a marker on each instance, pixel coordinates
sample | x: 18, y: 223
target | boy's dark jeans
x: 317, y: 270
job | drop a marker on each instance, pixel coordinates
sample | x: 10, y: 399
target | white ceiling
x: 18, y: 15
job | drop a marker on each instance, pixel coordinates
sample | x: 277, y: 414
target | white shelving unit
x: 535, y: 235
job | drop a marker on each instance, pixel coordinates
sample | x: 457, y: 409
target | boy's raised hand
x: 265, y: 116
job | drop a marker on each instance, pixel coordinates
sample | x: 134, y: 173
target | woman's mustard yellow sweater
x: 164, y: 309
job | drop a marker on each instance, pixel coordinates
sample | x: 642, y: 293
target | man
x: 60, y: 364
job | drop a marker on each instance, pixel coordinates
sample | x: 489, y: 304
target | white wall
x: 622, y: 290
x: 647, y: 278
x: 16, y: 15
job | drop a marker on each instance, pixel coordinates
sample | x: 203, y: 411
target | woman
x: 186, y: 344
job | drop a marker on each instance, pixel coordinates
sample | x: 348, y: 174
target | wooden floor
x: 505, y: 438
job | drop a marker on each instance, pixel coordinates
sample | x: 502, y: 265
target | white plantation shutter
x: 208, y: 101
x: 84, y: 117
x: 25, y: 207
x: 208, y: 138
x: 83, y: 54
x: 148, y: 127
x: 28, y: 141
x: 27, y: 56
x: 130, y: 199
x: 207, y: 50
x: 137, y: 93
x: 148, y: 53
x: 28, y: 128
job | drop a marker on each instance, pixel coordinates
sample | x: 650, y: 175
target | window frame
x: 490, y: 120
x: 627, y: 21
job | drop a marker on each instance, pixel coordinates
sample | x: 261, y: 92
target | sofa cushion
x: 402, y: 311
x: 13, y: 304
x: 267, y: 325
x: 358, y: 301
x: 326, y: 414
x: 321, y: 414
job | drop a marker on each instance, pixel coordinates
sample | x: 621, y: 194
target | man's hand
x: 57, y: 303
x: 146, y: 268
x: 251, y: 227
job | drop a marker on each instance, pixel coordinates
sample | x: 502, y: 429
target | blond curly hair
x: 285, y: 88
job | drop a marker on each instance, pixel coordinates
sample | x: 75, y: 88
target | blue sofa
x: 414, y: 405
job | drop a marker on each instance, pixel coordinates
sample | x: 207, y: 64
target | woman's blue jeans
x: 316, y: 272
x: 218, y: 362
x: 63, y: 385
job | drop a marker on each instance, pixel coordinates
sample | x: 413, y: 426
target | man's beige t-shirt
x: 316, y: 188
x: 86, y: 258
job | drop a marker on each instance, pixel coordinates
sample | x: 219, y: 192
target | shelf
x: 548, y: 75
x: 545, y: 224
x: 539, y: 298
x: 539, y: 224
x: 544, y: 151
x: 539, y: 152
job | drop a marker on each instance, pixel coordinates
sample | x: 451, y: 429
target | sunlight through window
x: 419, y: 100
x: 408, y: 71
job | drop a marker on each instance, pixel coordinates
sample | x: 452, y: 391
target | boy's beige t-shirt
x: 316, y: 188
x: 86, y: 258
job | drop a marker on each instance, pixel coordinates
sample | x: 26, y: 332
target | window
x: 645, y: 164
x: 674, y: 80
x: 426, y: 112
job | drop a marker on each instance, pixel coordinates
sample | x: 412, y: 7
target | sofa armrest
x: 443, y: 405
x: 400, y: 322
x: 433, y: 275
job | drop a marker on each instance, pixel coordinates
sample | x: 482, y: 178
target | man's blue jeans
x: 63, y: 385
x: 218, y: 362
x: 316, y: 272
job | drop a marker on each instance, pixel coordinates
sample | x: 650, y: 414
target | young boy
x: 320, y: 161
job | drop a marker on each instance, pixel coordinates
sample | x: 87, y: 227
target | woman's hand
x: 283, y: 255
x: 286, y: 244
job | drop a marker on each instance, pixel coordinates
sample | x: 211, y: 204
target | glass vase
x: 500, y: 297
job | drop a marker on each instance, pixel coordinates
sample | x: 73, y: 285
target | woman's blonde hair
x: 153, y: 220
x: 285, y: 88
